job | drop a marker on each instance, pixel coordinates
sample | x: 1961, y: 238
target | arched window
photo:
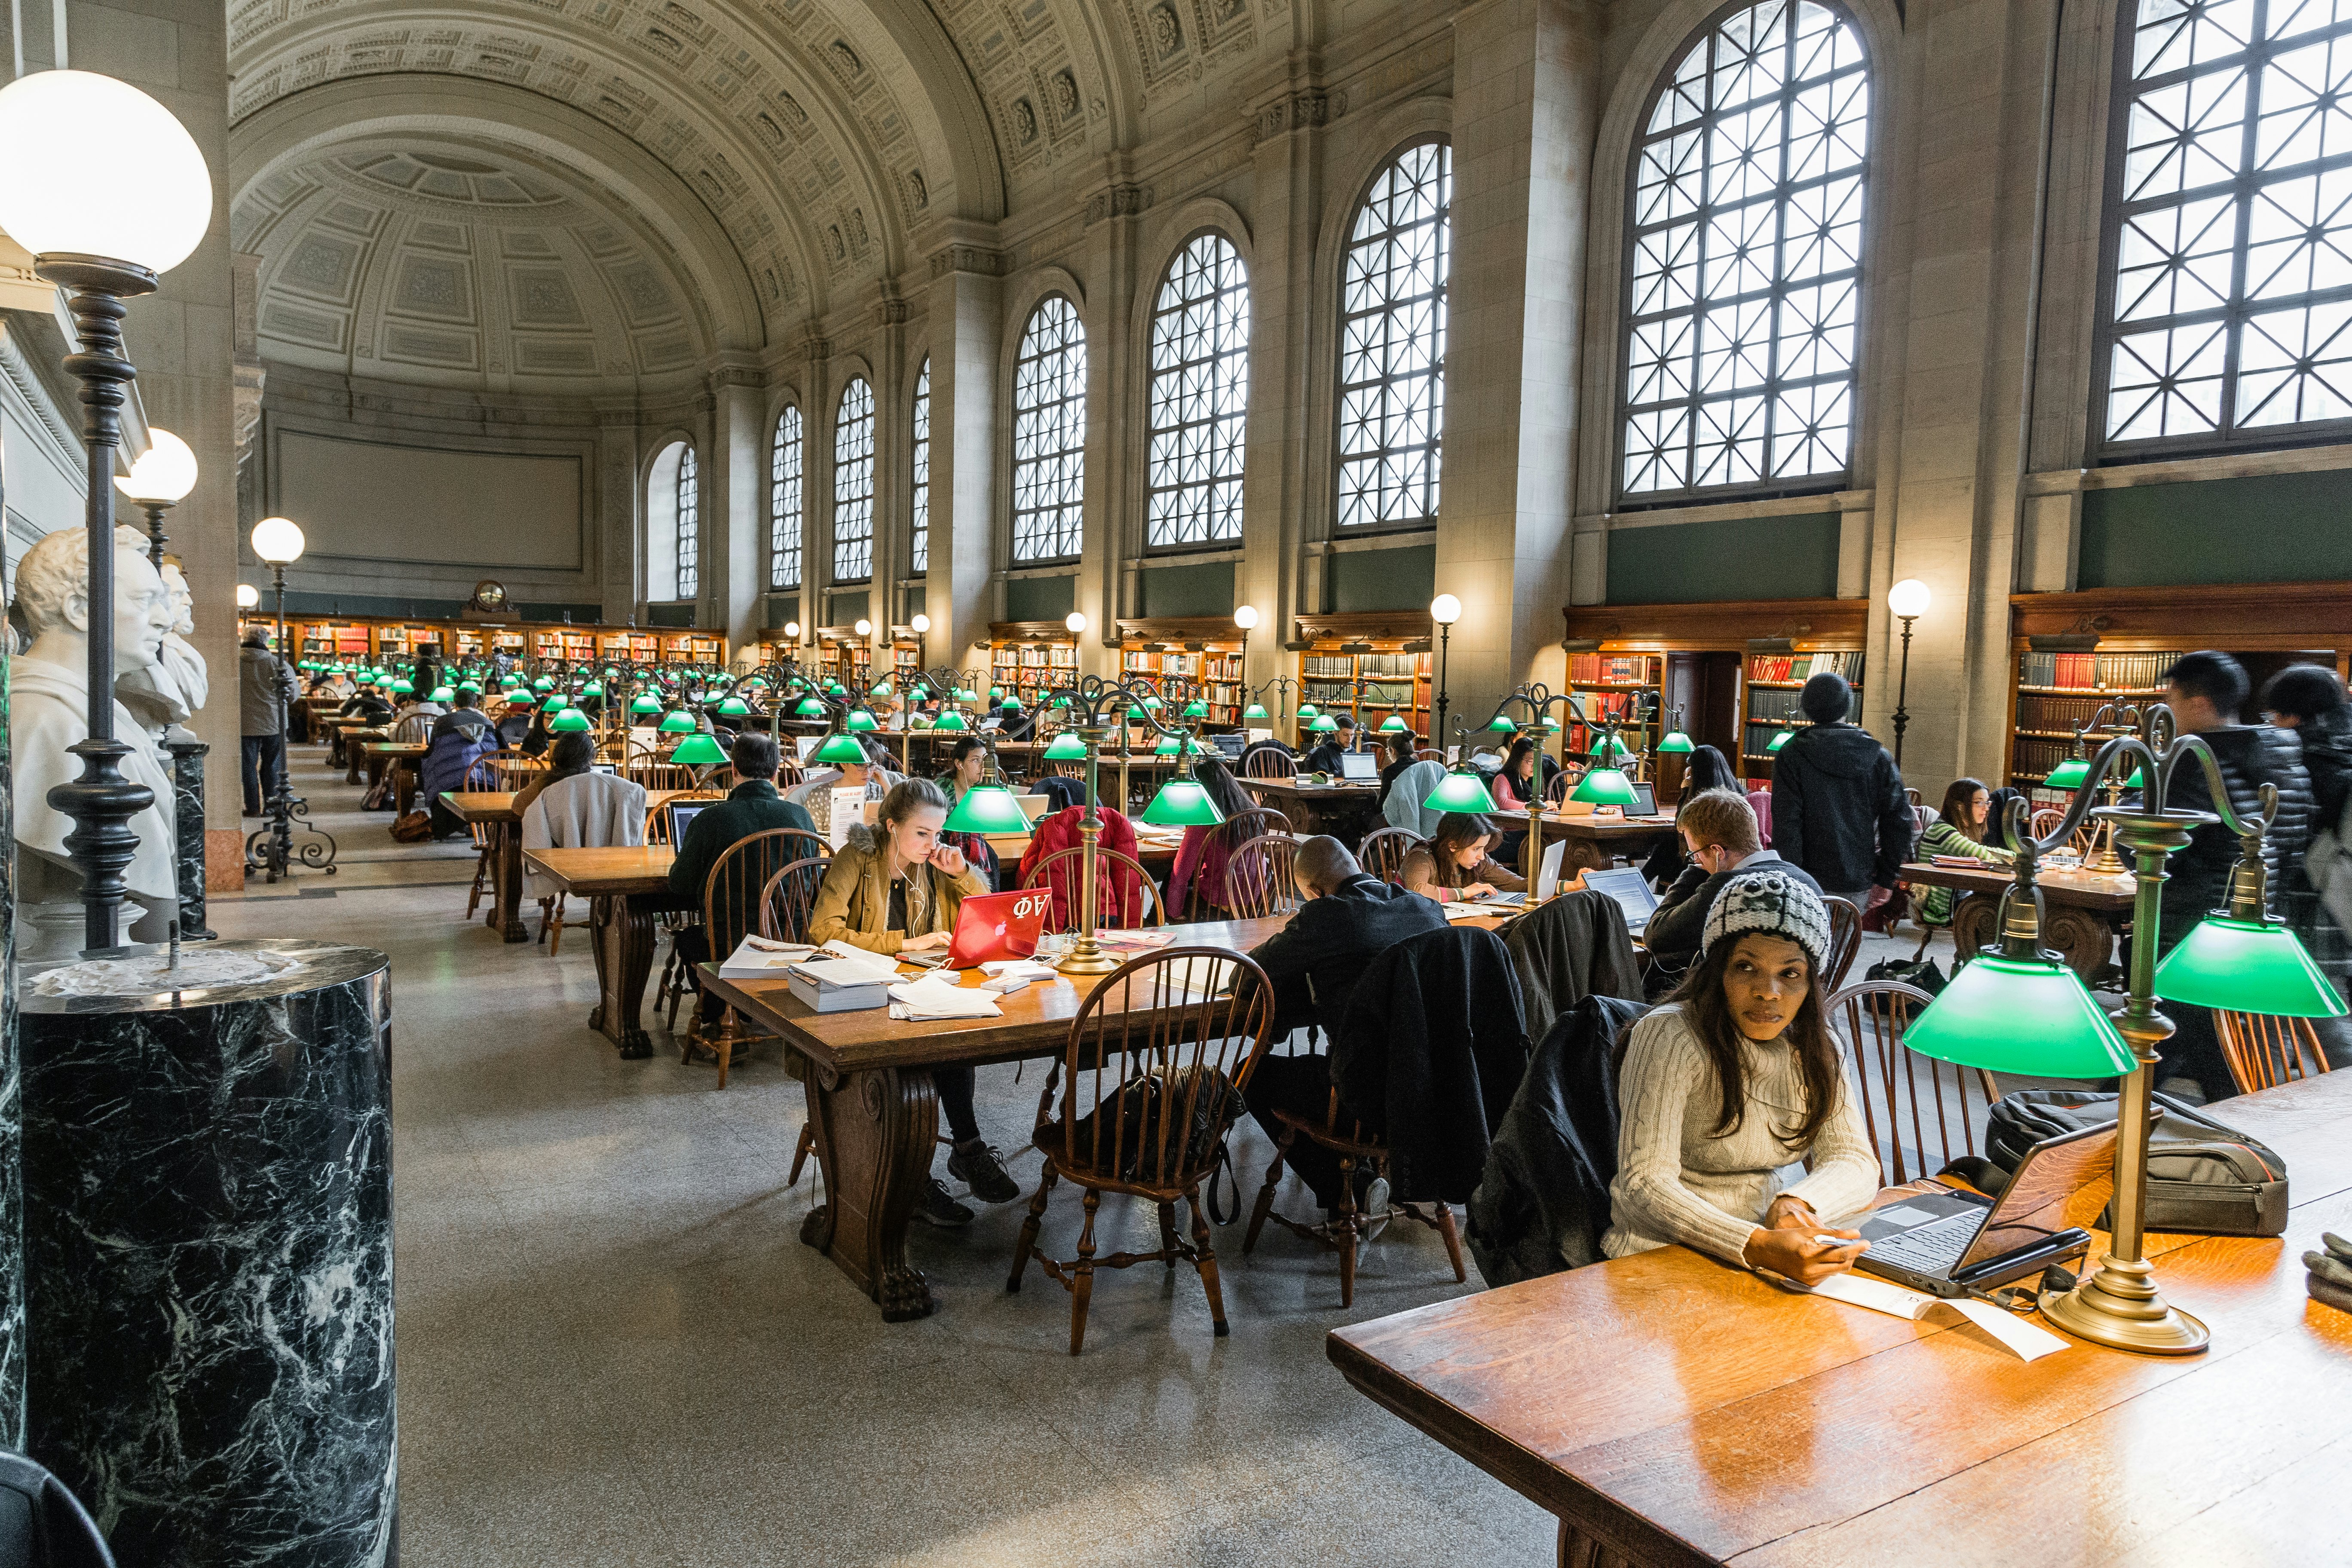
x: 1392, y: 343
x: 784, y: 502
x: 672, y: 508
x: 1743, y: 257
x: 920, y: 559
x: 690, y: 527
x: 1049, y: 434
x: 2228, y: 318
x: 853, y: 484
x: 1200, y: 395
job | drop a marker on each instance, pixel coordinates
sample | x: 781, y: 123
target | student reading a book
x: 1459, y: 863
x: 1962, y: 828
x: 895, y: 888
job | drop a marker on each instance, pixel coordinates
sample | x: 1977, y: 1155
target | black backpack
x: 2203, y: 1177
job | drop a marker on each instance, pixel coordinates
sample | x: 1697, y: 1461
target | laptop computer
x: 1953, y: 1243
x: 1036, y: 807
x: 1359, y: 767
x: 990, y: 926
x: 1645, y: 800
x: 1625, y: 884
x: 681, y: 813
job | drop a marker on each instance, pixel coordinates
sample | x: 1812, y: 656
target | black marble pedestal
x: 188, y: 829
x: 208, y: 1263
x: 11, y: 1259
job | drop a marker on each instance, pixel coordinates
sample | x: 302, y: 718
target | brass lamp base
x: 1089, y: 960
x: 2120, y: 1307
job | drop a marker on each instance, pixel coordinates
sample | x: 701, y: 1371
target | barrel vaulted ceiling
x: 767, y: 160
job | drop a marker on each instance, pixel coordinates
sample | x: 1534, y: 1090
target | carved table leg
x: 1973, y: 925
x: 507, y: 914
x: 622, y: 932
x: 875, y: 1132
x: 2080, y: 937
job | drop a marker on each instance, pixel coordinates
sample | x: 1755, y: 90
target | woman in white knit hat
x: 1729, y: 1086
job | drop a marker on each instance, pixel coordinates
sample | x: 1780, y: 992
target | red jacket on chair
x: 1119, y: 892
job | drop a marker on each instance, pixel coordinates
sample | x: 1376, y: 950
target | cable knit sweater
x: 1676, y: 1182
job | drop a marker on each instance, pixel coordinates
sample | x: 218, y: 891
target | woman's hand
x: 1784, y: 1244
x: 948, y: 858
x: 1477, y: 891
x: 937, y: 939
x: 1789, y: 1212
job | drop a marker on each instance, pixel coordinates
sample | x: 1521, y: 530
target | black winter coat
x: 2328, y: 756
x: 2250, y: 755
x: 1542, y: 1205
x: 1838, y: 809
x: 1573, y: 947
x: 1428, y: 1055
x: 1316, y: 960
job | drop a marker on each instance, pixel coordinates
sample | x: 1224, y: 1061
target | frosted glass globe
x: 277, y: 540
x: 247, y: 595
x: 1077, y: 621
x: 1246, y: 617
x: 155, y: 200
x: 1908, y: 598
x: 864, y: 628
x: 164, y: 473
x: 921, y: 625
x: 1445, y: 609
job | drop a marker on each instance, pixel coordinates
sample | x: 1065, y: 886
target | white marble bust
x: 49, y: 711
x: 173, y: 689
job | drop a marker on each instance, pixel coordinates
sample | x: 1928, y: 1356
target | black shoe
x: 976, y: 1165
x: 936, y: 1208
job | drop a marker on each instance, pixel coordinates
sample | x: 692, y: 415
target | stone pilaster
x: 735, y: 504
x: 966, y: 328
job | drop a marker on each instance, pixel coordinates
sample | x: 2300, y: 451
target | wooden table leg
x: 354, y: 756
x: 506, y: 913
x: 2082, y: 937
x: 875, y: 1133
x: 1974, y: 922
x: 622, y: 932
x: 404, y: 790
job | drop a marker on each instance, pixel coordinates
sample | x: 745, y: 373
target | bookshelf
x: 844, y: 657
x: 1027, y: 655
x: 1188, y: 656
x: 1771, y: 686
x: 1617, y: 686
x: 1388, y: 651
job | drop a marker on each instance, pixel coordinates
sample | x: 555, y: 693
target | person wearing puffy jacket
x: 1838, y: 808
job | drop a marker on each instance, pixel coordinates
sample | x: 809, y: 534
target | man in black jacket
x: 1838, y: 809
x: 752, y: 807
x: 1719, y: 828
x: 1348, y: 918
x: 1325, y: 758
x: 2309, y: 699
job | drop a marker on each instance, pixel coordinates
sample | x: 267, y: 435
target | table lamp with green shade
x: 1066, y: 748
x: 1182, y: 802
x: 442, y: 694
x: 1605, y: 786
x: 1012, y: 703
x: 1675, y: 740
x: 644, y: 703
x: 544, y: 683
x: 1461, y: 790
x: 1503, y: 724
x: 698, y: 752
x: 404, y: 688
x: 1324, y: 724
x: 811, y: 708
x: 841, y: 748
x: 860, y: 720
x: 571, y: 721
x: 1196, y: 708
x: 556, y: 703
x: 677, y: 721
x: 1772, y: 747
x: 1255, y: 710
x: 1309, y: 710
x: 1393, y: 724
x: 593, y: 689
x: 952, y: 721
x: 734, y: 707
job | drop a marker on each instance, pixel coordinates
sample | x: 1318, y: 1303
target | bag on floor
x: 2203, y: 1176
x: 1144, y: 1111
x: 1922, y: 973
x: 415, y: 827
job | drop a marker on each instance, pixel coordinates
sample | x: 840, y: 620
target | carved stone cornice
x: 1121, y: 200
x: 814, y: 348
x: 1300, y: 109
x: 976, y: 258
x: 724, y: 375
x: 890, y: 312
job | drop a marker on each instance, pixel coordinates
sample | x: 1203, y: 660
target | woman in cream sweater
x: 1726, y: 1090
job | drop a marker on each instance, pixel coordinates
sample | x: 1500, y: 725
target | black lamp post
x: 277, y: 542
x: 1908, y: 601
x: 1443, y: 611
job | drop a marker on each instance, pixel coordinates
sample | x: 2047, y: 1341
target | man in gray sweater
x: 266, y: 688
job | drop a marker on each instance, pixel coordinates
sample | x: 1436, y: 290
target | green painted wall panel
x: 1202, y: 588
x: 1403, y: 577
x: 2270, y: 528
x: 1742, y: 558
x: 846, y: 610
x: 1040, y: 598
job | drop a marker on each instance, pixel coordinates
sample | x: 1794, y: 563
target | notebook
x: 1359, y: 767
x: 1952, y: 1243
x: 1625, y: 884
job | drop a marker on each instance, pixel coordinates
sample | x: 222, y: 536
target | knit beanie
x: 1769, y: 904
x: 1826, y: 698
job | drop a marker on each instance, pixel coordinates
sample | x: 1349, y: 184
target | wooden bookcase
x: 349, y: 637
x: 844, y: 657
x: 1028, y: 656
x: 1388, y: 650
x: 1188, y: 656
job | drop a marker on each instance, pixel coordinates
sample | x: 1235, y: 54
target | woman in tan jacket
x: 895, y: 888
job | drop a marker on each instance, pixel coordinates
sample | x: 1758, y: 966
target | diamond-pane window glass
x: 1200, y: 395
x: 690, y: 527
x: 1049, y: 434
x: 1743, y: 264
x: 784, y: 459
x: 853, y: 484
x: 1392, y: 295
x: 2228, y: 317
x: 921, y: 560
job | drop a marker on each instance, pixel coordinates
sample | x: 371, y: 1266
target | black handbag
x: 2204, y: 1176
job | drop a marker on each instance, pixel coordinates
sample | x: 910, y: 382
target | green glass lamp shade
x: 920, y: 692
x: 570, y: 721
x: 1502, y: 725
x: 757, y: 683
x: 2020, y: 1015
x: 473, y: 686
x: 698, y: 750
x: 988, y: 808
x: 593, y: 689
x: 1392, y: 725
x: 996, y: 691
x: 646, y: 702
x: 403, y: 689
x: 1165, y: 747
x: 2068, y: 774
x: 1066, y: 748
x: 556, y: 703
x: 1012, y: 705
x: 1309, y: 710
x: 836, y: 690
x: 442, y: 694
x: 951, y: 720
x: 1182, y: 803
x: 811, y: 708
x: 677, y: 721
x: 882, y: 687
x: 839, y: 749
x: 1772, y: 747
x: 1614, y: 747
x: 1196, y: 708
x: 1061, y: 702
x: 734, y: 707
x: 543, y: 683
x: 861, y: 720
x: 1460, y: 791
x: 2246, y: 966
x: 1153, y: 704
x: 1324, y: 724
x: 1605, y: 786
x: 1675, y: 740
x: 1135, y: 713
x: 1255, y: 710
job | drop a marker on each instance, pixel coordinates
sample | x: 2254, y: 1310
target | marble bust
x: 49, y: 711
x: 173, y: 688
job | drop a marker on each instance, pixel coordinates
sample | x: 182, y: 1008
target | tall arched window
x: 1743, y: 257
x: 920, y: 560
x: 784, y: 470
x: 853, y: 484
x: 690, y: 527
x: 1392, y: 343
x: 1049, y: 434
x: 1200, y: 395
x: 2228, y: 317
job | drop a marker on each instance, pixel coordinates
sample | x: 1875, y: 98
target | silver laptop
x: 1955, y: 1243
x: 1626, y: 885
x: 1361, y: 767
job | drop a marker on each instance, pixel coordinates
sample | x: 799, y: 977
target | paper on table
x: 935, y: 997
x: 2029, y: 1340
x: 1878, y: 1295
x: 757, y: 956
x: 846, y: 965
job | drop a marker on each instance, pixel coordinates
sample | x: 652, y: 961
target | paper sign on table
x: 2029, y: 1340
x: 1878, y: 1295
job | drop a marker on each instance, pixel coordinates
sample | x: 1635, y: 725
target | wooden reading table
x: 627, y: 890
x: 1345, y: 811
x: 2083, y: 911
x: 355, y: 737
x: 1671, y: 1410
x: 494, y: 809
x: 395, y: 756
x: 1595, y: 842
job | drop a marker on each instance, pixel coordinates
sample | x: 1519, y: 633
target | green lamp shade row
x: 839, y: 749
x: 2068, y: 774
x: 404, y: 688
x: 698, y: 751
x: 1324, y: 725
x: 1196, y: 708
x: 1066, y: 748
x: 1255, y: 710
x: 861, y: 720
x: 1502, y: 725
x: 1605, y: 786
x: 1308, y: 711
x: 2020, y: 1015
x: 543, y: 683
x: 1460, y: 791
x: 1012, y: 704
x: 646, y: 702
x: 951, y: 720
x: 1675, y: 740
x: 1182, y: 803
x: 556, y: 703
x: 2246, y: 966
x: 677, y: 721
x: 988, y: 808
x: 593, y: 689
x: 568, y: 723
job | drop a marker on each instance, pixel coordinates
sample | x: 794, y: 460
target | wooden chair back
x: 1142, y: 906
x: 732, y: 898
x: 1151, y: 1080
x: 2264, y: 1051
x: 658, y: 816
x: 1267, y: 762
x: 786, y: 902
x: 661, y: 776
x: 1258, y: 884
x: 513, y: 772
x: 1382, y: 852
x: 1846, y: 939
x: 1428, y: 755
x: 1263, y: 818
x: 482, y: 774
x: 1902, y: 1091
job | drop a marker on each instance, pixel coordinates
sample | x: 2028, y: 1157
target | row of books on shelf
x: 1611, y: 669
x: 1377, y: 694
x: 1192, y: 666
x: 2038, y: 712
x: 1803, y: 667
x: 1617, y: 705
x: 1027, y: 655
x: 1374, y: 666
x: 2088, y: 671
x: 2038, y: 756
x: 1772, y: 705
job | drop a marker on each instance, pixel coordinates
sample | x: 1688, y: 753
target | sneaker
x: 1375, y: 1208
x: 936, y: 1208
x: 978, y: 1166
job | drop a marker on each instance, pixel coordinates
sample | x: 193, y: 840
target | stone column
x: 1113, y: 446
x: 735, y: 505
x: 188, y: 774
x: 817, y: 418
x: 893, y: 501
x: 966, y: 320
x: 1526, y: 111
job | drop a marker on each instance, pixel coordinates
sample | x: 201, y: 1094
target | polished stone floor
x: 614, y: 1348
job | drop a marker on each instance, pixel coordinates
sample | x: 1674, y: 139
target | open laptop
x: 1645, y: 800
x: 1359, y: 767
x: 1036, y: 807
x: 681, y: 813
x: 1627, y: 886
x: 1952, y: 1243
